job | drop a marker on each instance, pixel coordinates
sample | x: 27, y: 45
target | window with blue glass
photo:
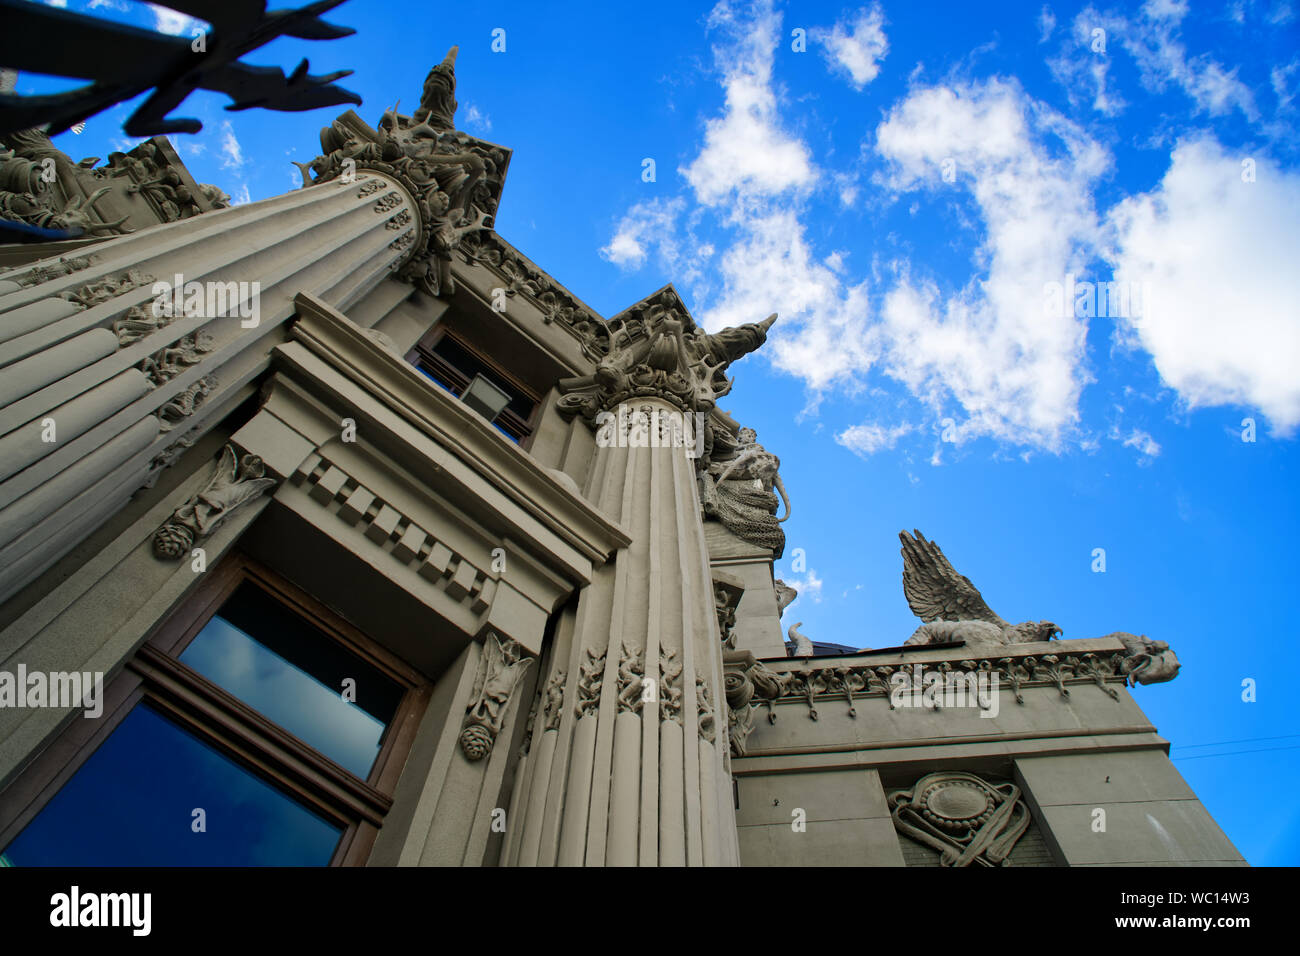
x: 256, y: 728
x: 453, y: 364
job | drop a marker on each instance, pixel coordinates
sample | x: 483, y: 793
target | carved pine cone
x: 476, y: 742
x: 172, y: 541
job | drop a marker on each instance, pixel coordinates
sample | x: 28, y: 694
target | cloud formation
x: 856, y: 49
x: 1220, y: 253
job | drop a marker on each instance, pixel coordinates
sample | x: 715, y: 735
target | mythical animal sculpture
x: 1148, y: 661
x: 785, y: 595
x: 951, y: 607
x: 953, y: 610
x: 739, y: 488
x: 802, y: 646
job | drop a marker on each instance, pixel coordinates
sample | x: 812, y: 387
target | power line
x: 1224, y: 743
x: 1229, y: 753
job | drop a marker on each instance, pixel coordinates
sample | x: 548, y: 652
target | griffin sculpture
x: 952, y: 609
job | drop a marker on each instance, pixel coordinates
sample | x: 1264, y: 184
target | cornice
x: 403, y: 391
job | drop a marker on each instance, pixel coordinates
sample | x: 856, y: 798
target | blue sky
x: 904, y: 191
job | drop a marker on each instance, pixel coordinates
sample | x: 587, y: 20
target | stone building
x: 334, y: 530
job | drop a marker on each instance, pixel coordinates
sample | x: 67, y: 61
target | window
x: 453, y: 364
x: 254, y: 728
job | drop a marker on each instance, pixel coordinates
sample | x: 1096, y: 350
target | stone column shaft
x: 83, y: 346
x: 635, y: 778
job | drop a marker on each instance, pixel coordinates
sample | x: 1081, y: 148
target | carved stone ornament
x: 504, y: 663
x: 554, y: 695
x: 969, y: 821
x: 455, y: 179
x: 670, y: 686
x: 591, y: 674
x: 705, y: 714
x: 739, y: 488
x: 785, y: 595
x: 746, y: 683
x: 519, y: 276
x: 656, y: 350
x: 47, y: 272
x: 631, y: 670
x: 727, y: 593
x: 234, y: 482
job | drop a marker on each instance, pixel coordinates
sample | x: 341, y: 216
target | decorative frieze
x: 47, y: 272
x: 106, y: 287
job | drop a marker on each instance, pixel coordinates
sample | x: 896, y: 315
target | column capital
x: 656, y: 350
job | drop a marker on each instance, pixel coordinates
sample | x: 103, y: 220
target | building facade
x: 334, y: 530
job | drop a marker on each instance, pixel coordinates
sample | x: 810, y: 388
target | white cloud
x: 1016, y: 371
x: 177, y: 24
x: 1046, y: 24
x: 857, y: 49
x: 1221, y: 256
x: 232, y: 154
x: 809, y: 586
x: 642, y: 227
x: 867, y: 439
x: 747, y: 155
x: 241, y: 195
x: 1147, y: 447
x: 1153, y: 40
x: 1279, y: 77
x: 476, y: 118
x: 1083, y: 64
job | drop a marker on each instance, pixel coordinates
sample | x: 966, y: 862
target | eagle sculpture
x: 951, y: 607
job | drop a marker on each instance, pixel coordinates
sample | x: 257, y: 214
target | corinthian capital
x: 657, y: 351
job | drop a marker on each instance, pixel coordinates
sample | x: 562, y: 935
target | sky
x: 926, y: 194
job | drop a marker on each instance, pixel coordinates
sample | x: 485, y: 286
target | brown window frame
x: 422, y: 353
x: 221, y: 720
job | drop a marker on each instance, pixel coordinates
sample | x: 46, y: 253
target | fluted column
x: 102, y: 382
x: 635, y: 771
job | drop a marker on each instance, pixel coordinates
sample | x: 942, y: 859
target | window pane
x: 132, y: 803
x: 294, y: 674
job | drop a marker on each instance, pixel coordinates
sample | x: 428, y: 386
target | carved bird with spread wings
x: 951, y: 607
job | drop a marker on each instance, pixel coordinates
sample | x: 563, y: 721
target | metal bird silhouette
x: 122, y: 61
